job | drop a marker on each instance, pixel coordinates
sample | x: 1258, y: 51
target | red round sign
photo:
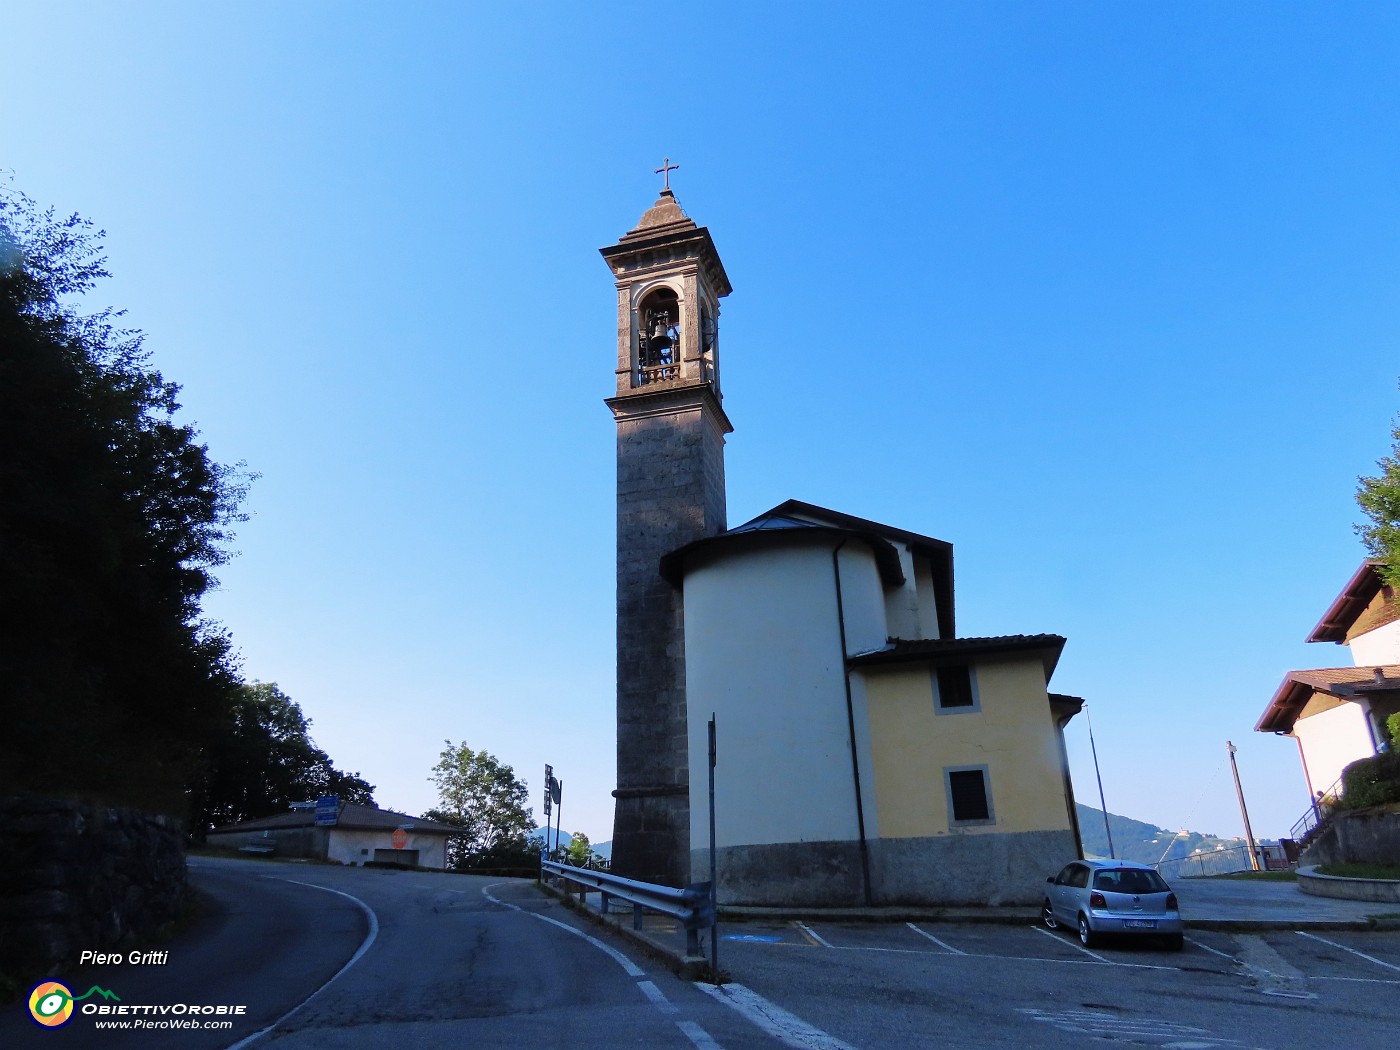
x: 399, y: 838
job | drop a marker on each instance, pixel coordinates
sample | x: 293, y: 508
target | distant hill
x: 1180, y: 853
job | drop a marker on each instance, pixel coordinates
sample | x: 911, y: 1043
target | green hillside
x: 1180, y: 853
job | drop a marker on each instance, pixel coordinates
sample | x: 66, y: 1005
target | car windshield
x: 1129, y: 880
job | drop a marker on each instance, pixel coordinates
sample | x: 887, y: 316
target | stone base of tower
x: 651, y: 835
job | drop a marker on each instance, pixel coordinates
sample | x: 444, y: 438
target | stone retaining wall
x: 1360, y: 837
x: 79, y: 876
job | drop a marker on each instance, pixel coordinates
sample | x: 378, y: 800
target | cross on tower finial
x: 665, y: 171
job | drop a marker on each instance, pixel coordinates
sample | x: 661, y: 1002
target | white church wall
x: 928, y: 600
x: 763, y: 653
x: 902, y: 602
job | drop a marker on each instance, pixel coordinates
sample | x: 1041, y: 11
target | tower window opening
x: 658, y: 344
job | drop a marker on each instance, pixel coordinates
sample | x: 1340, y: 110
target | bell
x: 660, y: 340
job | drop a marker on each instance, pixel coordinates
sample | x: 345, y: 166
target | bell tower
x: 670, y: 492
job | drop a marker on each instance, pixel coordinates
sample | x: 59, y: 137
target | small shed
x: 358, y: 835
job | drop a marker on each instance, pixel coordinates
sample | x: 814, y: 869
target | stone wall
x: 1360, y: 837
x: 78, y: 876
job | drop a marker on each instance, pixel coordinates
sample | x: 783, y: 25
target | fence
x: 692, y: 906
x: 1224, y: 861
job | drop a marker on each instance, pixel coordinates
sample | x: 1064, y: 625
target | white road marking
x: 1099, y: 1023
x: 655, y: 995
x: 698, y: 1036
x: 935, y: 940
x: 787, y: 1028
x: 1076, y: 944
x: 813, y: 934
x: 359, y: 953
x: 1343, y: 947
x: 1213, y: 951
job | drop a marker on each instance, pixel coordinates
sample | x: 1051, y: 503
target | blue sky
x: 1104, y: 294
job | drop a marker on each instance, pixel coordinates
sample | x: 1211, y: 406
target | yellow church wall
x: 1012, y: 734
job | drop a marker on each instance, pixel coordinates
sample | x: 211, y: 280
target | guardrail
x: 693, y: 906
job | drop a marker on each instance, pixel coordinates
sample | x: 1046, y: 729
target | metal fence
x: 693, y: 906
x: 1224, y: 861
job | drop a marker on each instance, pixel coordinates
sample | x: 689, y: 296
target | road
x: 324, y: 957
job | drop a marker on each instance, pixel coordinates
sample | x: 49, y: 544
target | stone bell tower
x: 670, y: 491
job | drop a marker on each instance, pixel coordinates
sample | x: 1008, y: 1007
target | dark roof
x: 795, y: 520
x: 1344, y: 612
x: 350, y: 815
x: 950, y: 650
x: 1345, y: 683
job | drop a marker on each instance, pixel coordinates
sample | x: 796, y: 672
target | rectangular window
x: 955, y: 689
x: 969, y: 796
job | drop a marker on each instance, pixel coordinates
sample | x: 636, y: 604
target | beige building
x: 1337, y: 714
x: 359, y: 834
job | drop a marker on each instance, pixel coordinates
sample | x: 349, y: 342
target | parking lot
x: 1023, y: 984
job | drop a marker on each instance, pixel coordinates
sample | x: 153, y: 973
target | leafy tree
x: 484, y: 798
x: 112, y: 518
x: 1379, y: 498
x: 579, y: 852
x: 263, y: 759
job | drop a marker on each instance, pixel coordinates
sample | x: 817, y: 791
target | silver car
x: 1098, y: 897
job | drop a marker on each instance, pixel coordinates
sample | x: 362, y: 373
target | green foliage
x: 263, y: 759
x: 1371, y: 782
x: 1392, y: 728
x: 112, y: 518
x: 483, y: 797
x: 1379, y: 498
x: 579, y: 853
x: 1389, y: 872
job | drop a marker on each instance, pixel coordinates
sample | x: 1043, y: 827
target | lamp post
x: 1239, y: 793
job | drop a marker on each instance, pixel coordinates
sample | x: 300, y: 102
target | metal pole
x: 714, y: 864
x: 558, y: 814
x: 1102, y: 804
x: 1239, y: 792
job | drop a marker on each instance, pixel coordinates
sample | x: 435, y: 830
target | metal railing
x: 693, y: 906
x: 1318, y: 812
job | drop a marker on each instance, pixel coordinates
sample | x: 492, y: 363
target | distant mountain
x: 1179, y: 852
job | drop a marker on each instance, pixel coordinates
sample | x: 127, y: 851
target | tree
x: 483, y: 797
x: 263, y: 759
x: 579, y: 852
x: 112, y: 518
x: 1379, y: 498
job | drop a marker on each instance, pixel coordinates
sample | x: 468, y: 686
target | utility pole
x: 1102, y: 804
x: 1239, y: 792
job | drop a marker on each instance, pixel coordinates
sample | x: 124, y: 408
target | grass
x: 1360, y: 871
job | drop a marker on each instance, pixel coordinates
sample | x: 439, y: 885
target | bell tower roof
x: 663, y: 217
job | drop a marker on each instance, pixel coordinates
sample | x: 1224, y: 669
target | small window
x: 954, y: 689
x: 969, y: 796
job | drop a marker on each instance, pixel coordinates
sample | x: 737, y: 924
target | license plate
x: 1140, y: 924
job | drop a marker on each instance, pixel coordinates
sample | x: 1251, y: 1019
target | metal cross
x: 665, y: 170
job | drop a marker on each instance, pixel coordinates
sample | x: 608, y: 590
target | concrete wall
x: 351, y: 846
x: 1381, y: 646
x: 1332, y: 739
x: 1363, y: 837
x: 82, y: 877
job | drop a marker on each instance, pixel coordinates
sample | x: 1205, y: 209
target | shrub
x: 1371, y: 781
x: 1392, y: 727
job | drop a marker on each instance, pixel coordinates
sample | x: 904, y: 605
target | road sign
x: 399, y: 838
x: 548, y: 788
x: 327, y: 809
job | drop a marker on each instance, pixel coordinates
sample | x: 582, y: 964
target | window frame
x: 939, y: 707
x: 953, y: 821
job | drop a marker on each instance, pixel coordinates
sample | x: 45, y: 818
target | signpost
x: 327, y: 809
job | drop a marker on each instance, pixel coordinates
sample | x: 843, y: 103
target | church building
x: 866, y: 755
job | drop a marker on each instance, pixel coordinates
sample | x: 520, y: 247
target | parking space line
x: 813, y: 935
x: 1357, y: 980
x: 787, y: 1028
x: 935, y: 940
x: 1343, y: 947
x: 1207, y: 947
x: 1073, y: 944
x: 698, y: 1035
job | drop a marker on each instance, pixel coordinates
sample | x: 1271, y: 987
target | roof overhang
x: 1345, y: 684
x: 939, y: 651
x: 1343, y: 613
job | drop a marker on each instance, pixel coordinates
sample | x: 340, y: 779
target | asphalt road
x: 340, y: 957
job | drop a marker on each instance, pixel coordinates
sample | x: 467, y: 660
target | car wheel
x: 1047, y: 916
x: 1087, y: 937
x: 1175, y: 942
